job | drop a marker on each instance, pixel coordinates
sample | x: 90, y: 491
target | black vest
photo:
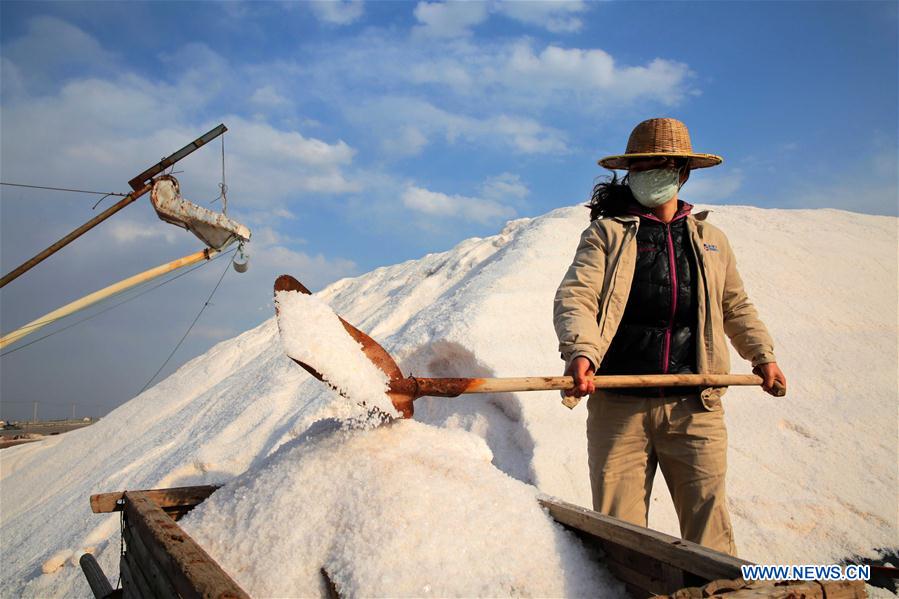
x: 657, y: 334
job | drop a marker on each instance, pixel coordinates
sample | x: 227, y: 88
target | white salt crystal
x: 56, y: 561
x: 313, y: 334
x: 406, y: 509
x: 878, y: 592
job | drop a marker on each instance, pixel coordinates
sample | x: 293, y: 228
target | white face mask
x: 654, y: 188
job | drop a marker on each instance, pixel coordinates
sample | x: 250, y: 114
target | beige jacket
x: 590, y: 300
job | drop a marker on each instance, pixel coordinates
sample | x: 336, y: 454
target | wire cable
x: 94, y: 207
x: 223, y: 187
x: 187, y: 332
x: 117, y: 304
x: 99, y: 193
x: 42, y: 323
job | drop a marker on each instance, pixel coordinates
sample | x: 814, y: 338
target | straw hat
x: 660, y: 137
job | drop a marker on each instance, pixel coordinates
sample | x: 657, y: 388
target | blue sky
x: 365, y: 134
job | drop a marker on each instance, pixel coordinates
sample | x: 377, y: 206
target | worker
x: 654, y: 289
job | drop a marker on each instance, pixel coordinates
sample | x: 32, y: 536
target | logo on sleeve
x: 710, y: 247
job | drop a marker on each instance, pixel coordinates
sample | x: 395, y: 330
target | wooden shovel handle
x: 457, y: 386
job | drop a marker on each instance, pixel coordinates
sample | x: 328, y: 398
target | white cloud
x: 121, y: 122
x: 418, y: 121
x: 527, y: 135
x: 126, y: 231
x: 409, y: 141
x: 555, y: 69
x: 557, y: 16
x: 504, y: 185
x: 455, y: 19
x: 288, y: 146
x: 449, y: 19
x: 337, y: 12
x: 12, y: 83
x: 513, y: 76
x: 105, y: 124
x: 446, y: 72
x: 709, y: 186
x: 268, y: 96
x: 434, y: 203
x: 316, y: 268
x: 51, y: 47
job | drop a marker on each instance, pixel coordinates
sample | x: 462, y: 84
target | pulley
x: 241, y: 260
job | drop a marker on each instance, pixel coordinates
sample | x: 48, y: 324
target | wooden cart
x: 161, y: 560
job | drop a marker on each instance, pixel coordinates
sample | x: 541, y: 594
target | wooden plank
x: 151, y: 570
x: 770, y: 590
x: 127, y: 580
x: 140, y: 577
x: 643, y: 575
x: 176, y: 513
x: 639, y: 584
x: 635, y: 592
x: 192, y: 572
x: 661, y: 578
x: 133, y: 586
x: 176, y: 497
x: 759, y: 589
x: 683, y: 555
x: 844, y: 589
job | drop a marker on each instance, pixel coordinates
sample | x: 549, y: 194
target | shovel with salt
x: 403, y: 391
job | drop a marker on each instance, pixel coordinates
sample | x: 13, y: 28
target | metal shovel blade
x: 402, y: 400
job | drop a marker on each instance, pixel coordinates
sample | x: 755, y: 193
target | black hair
x: 611, y: 197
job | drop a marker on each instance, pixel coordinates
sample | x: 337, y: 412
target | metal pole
x: 34, y: 417
x: 140, y: 184
x: 163, y: 164
x: 73, y: 411
x: 28, y: 265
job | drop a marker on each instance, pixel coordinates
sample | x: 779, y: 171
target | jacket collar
x: 636, y: 212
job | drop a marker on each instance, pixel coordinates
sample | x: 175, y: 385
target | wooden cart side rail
x: 190, y: 570
x: 786, y: 589
x: 684, y: 555
x: 176, y: 497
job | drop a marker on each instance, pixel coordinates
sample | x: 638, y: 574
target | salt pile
x: 812, y: 477
x: 312, y: 333
x: 406, y: 509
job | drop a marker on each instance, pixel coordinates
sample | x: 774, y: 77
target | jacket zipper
x: 705, y: 344
x: 673, y: 272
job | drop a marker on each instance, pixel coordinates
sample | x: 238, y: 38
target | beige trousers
x: 628, y: 436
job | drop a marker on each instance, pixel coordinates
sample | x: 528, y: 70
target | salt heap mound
x: 406, y: 509
x: 812, y: 476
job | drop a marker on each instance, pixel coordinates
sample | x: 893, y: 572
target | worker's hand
x: 770, y: 374
x: 582, y: 371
